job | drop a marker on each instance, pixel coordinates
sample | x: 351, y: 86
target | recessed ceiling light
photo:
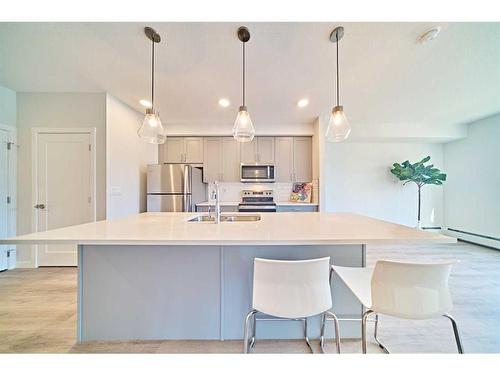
x: 303, y: 103
x: 145, y: 103
x: 429, y: 35
x: 223, y: 102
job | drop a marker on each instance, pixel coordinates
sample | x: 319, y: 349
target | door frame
x: 35, y: 132
x: 12, y: 176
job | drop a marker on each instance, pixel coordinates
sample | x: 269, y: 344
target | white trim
x: 12, y: 176
x: 34, y: 172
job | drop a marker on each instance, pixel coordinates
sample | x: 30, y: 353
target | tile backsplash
x: 231, y: 191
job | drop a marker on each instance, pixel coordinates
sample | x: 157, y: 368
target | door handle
x: 39, y: 206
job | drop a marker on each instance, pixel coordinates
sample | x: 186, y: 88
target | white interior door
x: 4, y: 192
x: 64, y: 180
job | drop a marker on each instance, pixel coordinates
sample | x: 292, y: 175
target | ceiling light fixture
x: 151, y: 130
x: 145, y: 103
x: 429, y: 34
x: 338, y: 126
x: 243, y: 130
x: 303, y: 103
x: 223, y: 102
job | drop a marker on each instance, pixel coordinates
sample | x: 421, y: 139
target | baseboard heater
x: 474, y: 234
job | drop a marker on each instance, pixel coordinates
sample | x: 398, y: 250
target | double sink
x: 225, y: 218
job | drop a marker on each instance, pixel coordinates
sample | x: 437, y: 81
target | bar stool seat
x: 291, y: 290
x: 405, y: 290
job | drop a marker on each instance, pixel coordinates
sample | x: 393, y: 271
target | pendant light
x: 151, y: 130
x: 243, y: 130
x: 338, y: 126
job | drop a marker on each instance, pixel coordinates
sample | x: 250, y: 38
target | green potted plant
x: 420, y: 174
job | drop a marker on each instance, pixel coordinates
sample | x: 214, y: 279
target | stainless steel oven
x: 257, y: 201
x: 257, y: 173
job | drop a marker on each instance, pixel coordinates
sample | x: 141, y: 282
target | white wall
x: 472, y: 192
x: 7, y: 106
x: 126, y: 160
x: 56, y: 110
x: 355, y: 177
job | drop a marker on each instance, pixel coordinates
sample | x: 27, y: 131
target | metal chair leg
x: 336, y: 328
x: 249, y: 316
x: 322, y: 334
x: 254, y: 331
x: 375, y: 332
x: 456, y: 333
x: 307, y: 337
x: 363, y: 329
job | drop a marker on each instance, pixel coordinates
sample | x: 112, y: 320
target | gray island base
x: 194, y: 292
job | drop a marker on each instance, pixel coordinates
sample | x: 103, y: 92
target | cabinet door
x: 302, y: 159
x: 212, y: 159
x: 248, y: 152
x: 162, y: 153
x: 193, y: 150
x: 173, y: 150
x: 284, y: 159
x: 265, y: 150
x: 230, y: 160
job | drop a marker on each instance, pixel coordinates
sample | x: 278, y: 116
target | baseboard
x: 473, y: 238
x: 25, y: 264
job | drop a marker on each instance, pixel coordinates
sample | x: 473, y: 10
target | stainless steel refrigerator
x: 174, y: 188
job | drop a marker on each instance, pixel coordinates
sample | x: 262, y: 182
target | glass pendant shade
x: 243, y: 130
x: 338, y: 126
x: 151, y: 130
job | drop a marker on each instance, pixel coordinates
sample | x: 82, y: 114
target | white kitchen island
x: 159, y: 276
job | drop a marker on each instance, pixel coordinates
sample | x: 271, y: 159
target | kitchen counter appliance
x: 174, y: 188
x: 257, y: 173
x: 257, y: 201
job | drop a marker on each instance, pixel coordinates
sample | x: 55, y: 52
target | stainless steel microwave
x: 257, y: 173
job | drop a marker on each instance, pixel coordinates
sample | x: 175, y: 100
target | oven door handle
x: 256, y: 207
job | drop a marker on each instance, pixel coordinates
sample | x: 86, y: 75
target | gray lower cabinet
x: 222, y: 208
x: 296, y: 208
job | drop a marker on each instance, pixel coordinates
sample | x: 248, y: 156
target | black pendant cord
x: 152, y: 74
x: 243, y: 86
x: 338, y: 99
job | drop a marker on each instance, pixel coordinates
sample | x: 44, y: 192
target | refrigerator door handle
x: 188, y: 203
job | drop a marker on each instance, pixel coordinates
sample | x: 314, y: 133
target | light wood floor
x: 38, y: 312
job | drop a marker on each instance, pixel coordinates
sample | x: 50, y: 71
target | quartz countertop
x: 281, y: 228
x: 235, y: 203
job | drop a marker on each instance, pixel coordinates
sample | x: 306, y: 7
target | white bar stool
x: 404, y: 290
x: 291, y: 290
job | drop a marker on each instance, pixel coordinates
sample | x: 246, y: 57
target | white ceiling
x: 386, y: 77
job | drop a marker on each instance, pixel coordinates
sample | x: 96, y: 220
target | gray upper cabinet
x: 212, y: 159
x: 248, y: 152
x: 302, y: 159
x: 293, y: 159
x: 284, y: 159
x: 265, y: 150
x: 193, y: 150
x: 181, y: 150
x: 221, y: 159
x: 260, y: 150
x: 230, y: 160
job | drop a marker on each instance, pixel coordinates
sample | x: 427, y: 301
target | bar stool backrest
x: 291, y: 289
x: 411, y: 290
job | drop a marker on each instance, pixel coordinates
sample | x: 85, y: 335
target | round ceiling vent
x: 429, y: 35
